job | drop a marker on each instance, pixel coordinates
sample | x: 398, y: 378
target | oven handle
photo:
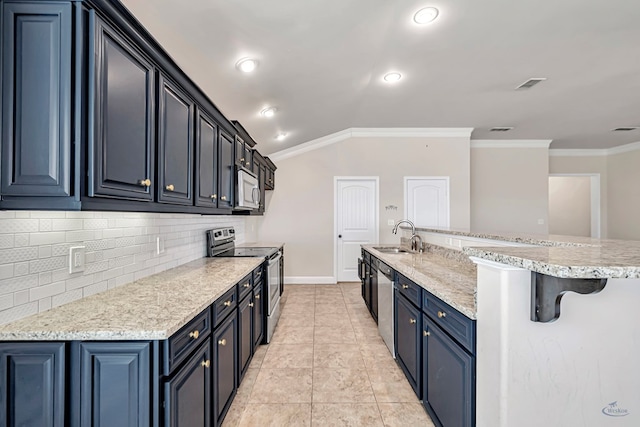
x: 275, y: 259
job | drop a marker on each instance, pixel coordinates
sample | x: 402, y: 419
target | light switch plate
x: 391, y: 222
x: 76, y: 259
x: 541, y: 221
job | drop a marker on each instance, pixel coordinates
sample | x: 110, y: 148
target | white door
x: 427, y: 201
x: 356, y: 222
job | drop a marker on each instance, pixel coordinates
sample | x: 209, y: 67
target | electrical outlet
x: 541, y: 221
x: 76, y: 259
x: 159, y: 245
x: 391, y: 222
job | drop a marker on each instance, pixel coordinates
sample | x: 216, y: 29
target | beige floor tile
x: 345, y: 414
x: 333, y: 299
x: 337, y: 359
x: 341, y: 386
x: 326, y: 334
x: 282, y: 386
x: 373, y: 347
x: 294, y: 336
x: 325, y: 309
x: 296, y: 320
x: 244, y: 391
x: 391, y: 386
x: 289, y: 356
x: 276, y: 415
x: 378, y: 361
x: 332, y: 320
x: 234, y: 414
x: 404, y: 415
x: 258, y: 356
x: 298, y: 308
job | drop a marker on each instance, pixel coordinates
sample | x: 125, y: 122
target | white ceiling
x: 322, y: 61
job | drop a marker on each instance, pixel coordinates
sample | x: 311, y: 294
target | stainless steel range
x: 221, y: 243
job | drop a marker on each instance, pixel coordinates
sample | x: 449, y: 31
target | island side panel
x: 580, y: 370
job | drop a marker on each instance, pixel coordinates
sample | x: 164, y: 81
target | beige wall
x: 570, y: 205
x: 301, y: 210
x: 623, y: 189
x: 586, y: 165
x: 509, y: 189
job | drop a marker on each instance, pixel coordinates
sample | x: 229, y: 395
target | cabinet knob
x: 194, y: 334
x: 223, y: 198
x: 246, y: 285
x: 214, y: 196
x: 405, y: 286
x: 227, y: 303
x: 170, y: 187
x: 257, y: 296
x: 412, y: 321
x: 442, y: 314
x: 426, y: 333
x: 205, y: 363
x: 251, y: 304
x: 242, y: 159
x: 222, y: 342
x: 247, y: 163
x: 145, y: 182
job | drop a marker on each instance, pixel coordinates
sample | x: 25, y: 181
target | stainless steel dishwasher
x: 385, y: 305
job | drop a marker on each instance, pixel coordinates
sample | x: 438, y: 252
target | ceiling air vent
x: 624, y: 129
x: 531, y: 83
x: 501, y: 129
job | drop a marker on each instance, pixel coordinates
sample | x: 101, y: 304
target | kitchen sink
x: 391, y: 250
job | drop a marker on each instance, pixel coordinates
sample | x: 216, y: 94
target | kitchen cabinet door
x: 112, y: 383
x: 366, y: 285
x: 175, y: 144
x: 373, y: 281
x: 226, y: 170
x: 259, y: 316
x: 122, y: 144
x: 225, y: 362
x: 33, y: 384
x: 262, y: 176
x: 245, y: 334
x: 206, y: 161
x: 408, y: 320
x: 448, y: 378
x: 36, y: 103
x: 187, y: 395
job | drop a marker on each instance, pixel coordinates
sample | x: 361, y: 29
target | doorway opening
x: 574, y: 205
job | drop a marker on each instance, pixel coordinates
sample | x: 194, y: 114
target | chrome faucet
x: 415, y: 238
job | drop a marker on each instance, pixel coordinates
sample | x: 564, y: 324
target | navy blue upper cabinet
x: 36, y: 125
x: 226, y: 171
x: 206, y: 183
x: 32, y: 391
x: 175, y: 144
x: 121, y: 148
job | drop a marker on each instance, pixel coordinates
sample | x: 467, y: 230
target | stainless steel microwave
x: 248, y: 196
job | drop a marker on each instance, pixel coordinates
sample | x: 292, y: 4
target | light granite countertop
x: 559, y: 256
x: 152, y: 308
x: 451, y: 280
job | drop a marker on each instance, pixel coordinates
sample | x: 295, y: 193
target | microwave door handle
x: 255, y: 195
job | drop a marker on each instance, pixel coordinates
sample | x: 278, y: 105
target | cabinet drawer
x: 224, y: 305
x: 456, y: 324
x: 409, y: 289
x: 367, y: 257
x: 183, y: 342
x: 257, y: 274
x: 244, y: 287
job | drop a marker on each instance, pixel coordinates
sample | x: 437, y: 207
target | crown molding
x: 510, y: 143
x: 369, y: 133
x: 620, y: 149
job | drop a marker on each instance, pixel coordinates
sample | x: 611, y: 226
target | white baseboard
x: 310, y: 280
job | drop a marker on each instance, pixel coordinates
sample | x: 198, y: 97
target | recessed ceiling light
x: 269, y: 111
x: 247, y: 65
x: 425, y: 15
x: 280, y: 136
x: 392, y: 77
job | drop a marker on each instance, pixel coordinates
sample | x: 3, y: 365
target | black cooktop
x: 248, y: 252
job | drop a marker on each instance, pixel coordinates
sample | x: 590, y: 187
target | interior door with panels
x: 122, y: 144
x: 36, y: 99
x: 175, y: 144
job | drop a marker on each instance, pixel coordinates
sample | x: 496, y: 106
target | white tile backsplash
x: 120, y: 248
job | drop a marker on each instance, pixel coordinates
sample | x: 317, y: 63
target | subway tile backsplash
x: 120, y: 248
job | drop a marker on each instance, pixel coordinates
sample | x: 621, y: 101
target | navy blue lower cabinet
x: 225, y: 362
x: 259, y: 314
x: 32, y: 388
x: 111, y: 384
x: 408, y: 328
x: 373, y: 283
x: 187, y: 395
x: 448, y: 379
x: 245, y: 332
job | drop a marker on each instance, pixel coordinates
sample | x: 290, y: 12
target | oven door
x: 273, y: 281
